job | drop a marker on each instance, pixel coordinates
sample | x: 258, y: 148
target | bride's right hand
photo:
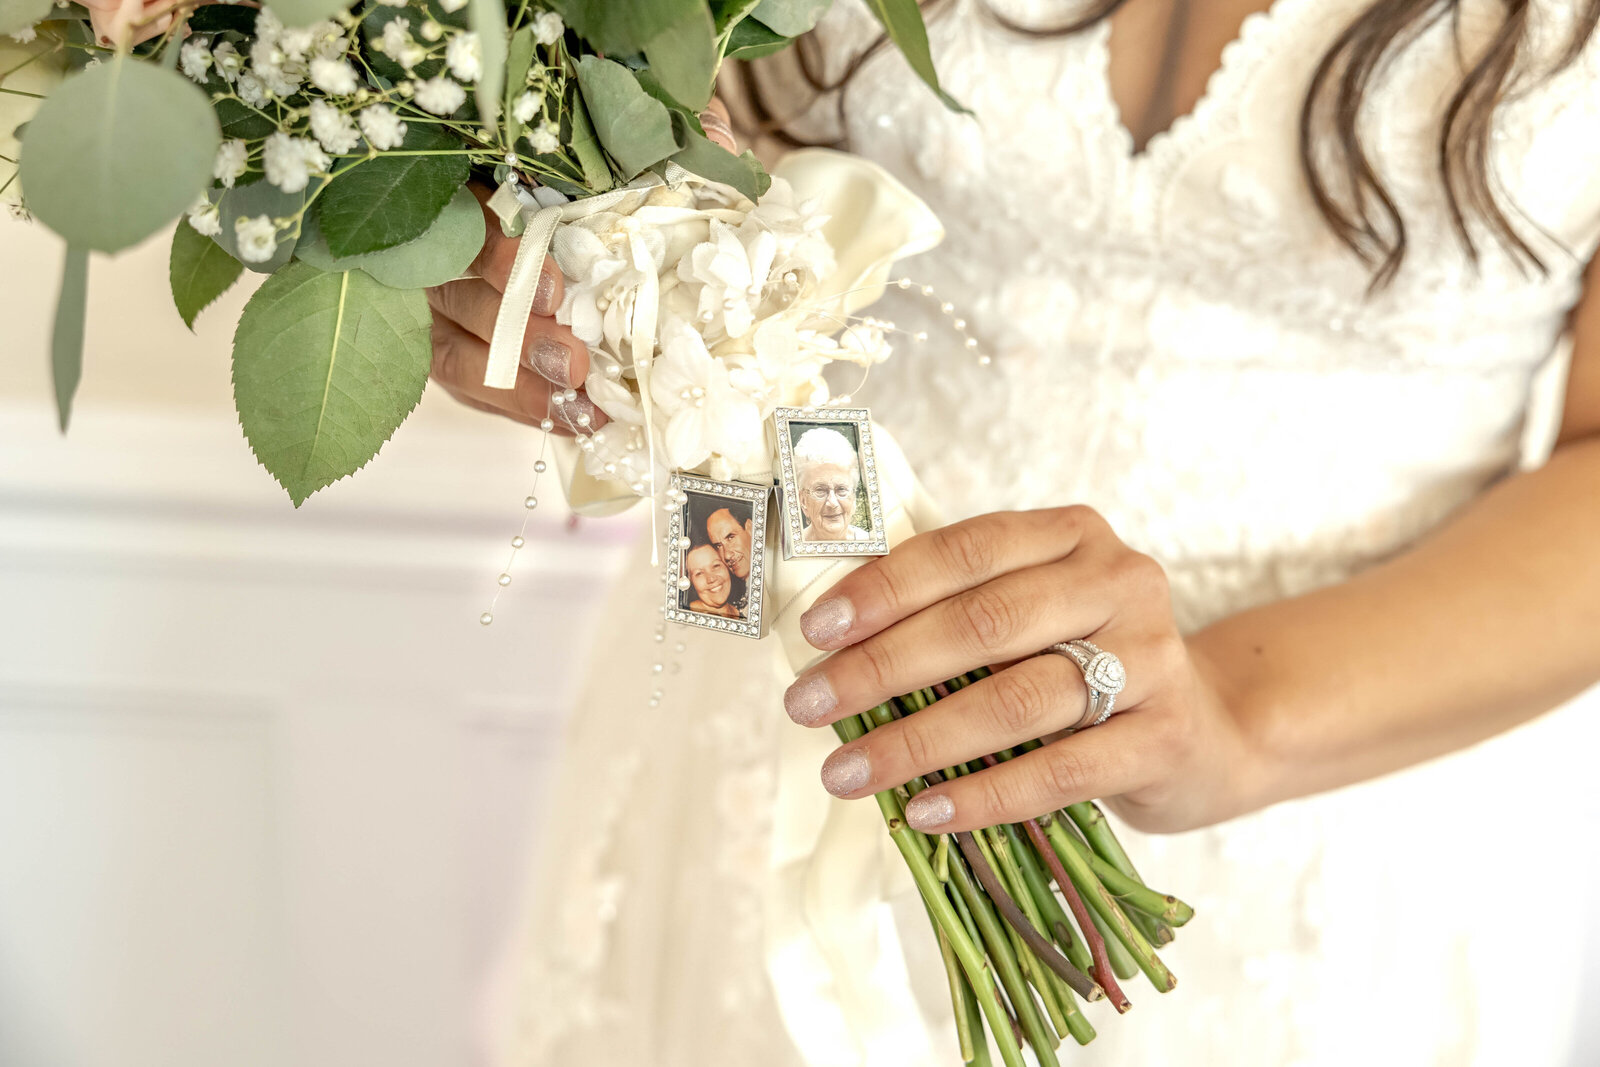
x: 553, y: 359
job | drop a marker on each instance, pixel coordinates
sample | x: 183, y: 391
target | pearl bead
x: 960, y: 324
x: 697, y: 391
x: 683, y: 542
x: 585, y: 445
x: 971, y: 342
x: 920, y: 335
x: 657, y: 668
x: 504, y: 579
x: 946, y: 307
x: 613, y: 371
x: 660, y: 636
x: 610, y: 468
x: 539, y: 466
x: 845, y: 399
x: 583, y: 420
x: 984, y: 361
x: 557, y: 399
x: 570, y: 394
x: 547, y: 425
x: 517, y: 542
x: 598, y: 437
x: 683, y: 583
x: 531, y: 502
x: 902, y: 283
x: 655, y: 702
x: 679, y: 647
x: 486, y: 618
x: 927, y: 290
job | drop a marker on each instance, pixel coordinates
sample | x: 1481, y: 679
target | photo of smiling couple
x: 717, y: 561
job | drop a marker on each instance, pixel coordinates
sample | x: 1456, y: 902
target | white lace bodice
x: 1179, y: 339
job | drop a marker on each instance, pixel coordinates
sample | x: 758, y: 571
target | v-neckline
x: 1217, y: 91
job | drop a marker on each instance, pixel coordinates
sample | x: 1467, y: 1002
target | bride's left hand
x: 993, y: 591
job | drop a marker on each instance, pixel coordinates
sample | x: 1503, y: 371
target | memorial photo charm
x: 828, y: 483
x: 717, y: 555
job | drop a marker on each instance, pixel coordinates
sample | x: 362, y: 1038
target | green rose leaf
x: 66, y: 339
x: 488, y: 20
x: 239, y: 120
x: 623, y: 27
x: 794, y: 17
x: 325, y: 367
x: 596, y: 172
x: 902, y: 20
x: 751, y: 40
x: 391, y: 199
x: 684, y: 58
x: 18, y: 15
x: 305, y: 12
x: 117, y: 152
x: 710, y: 160
x: 260, y: 197
x: 200, y: 270
x: 519, y: 58
x: 634, y: 127
x: 438, y: 256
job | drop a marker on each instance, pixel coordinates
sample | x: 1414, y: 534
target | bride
x: 1267, y: 289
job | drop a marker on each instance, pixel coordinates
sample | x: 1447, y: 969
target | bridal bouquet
x: 329, y: 147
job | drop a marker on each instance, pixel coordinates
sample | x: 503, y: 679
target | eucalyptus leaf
x: 391, y: 199
x: 438, y: 256
x: 305, y: 12
x: 727, y: 13
x: 623, y: 27
x: 519, y: 58
x: 66, y: 339
x: 18, y: 15
x: 751, y: 40
x: 794, y: 17
x: 260, y: 197
x: 710, y: 160
x: 488, y: 20
x: 634, y: 127
x: 200, y: 271
x: 325, y: 367
x: 596, y: 172
x: 118, y: 152
x: 902, y: 20
x: 684, y: 57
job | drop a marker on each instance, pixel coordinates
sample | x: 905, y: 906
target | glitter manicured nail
x: 847, y: 770
x: 553, y: 361
x: 544, y: 295
x: 809, y: 699
x: 928, y: 810
x: 827, y: 621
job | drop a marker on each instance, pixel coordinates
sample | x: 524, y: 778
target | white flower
x: 432, y: 31
x: 548, y: 28
x: 257, y: 237
x: 195, y: 58
x: 203, y: 216
x: 251, y: 90
x: 383, y: 128
x: 336, y: 77
x: 290, y: 161
x: 732, y: 268
x: 785, y: 366
x: 24, y: 35
x: 281, y: 75
x: 228, y: 60
x: 268, y: 25
x: 230, y: 161
x: 452, y: 6
x: 397, y: 44
x: 464, y: 56
x: 332, y: 128
x: 439, y: 95
x: 393, y: 3
x: 706, y: 415
x: 544, y: 139
x: 295, y: 41
x: 525, y: 107
x: 328, y: 40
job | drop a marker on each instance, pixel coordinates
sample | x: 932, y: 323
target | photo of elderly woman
x: 827, y: 477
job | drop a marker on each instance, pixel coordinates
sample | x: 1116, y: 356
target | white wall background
x: 266, y: 786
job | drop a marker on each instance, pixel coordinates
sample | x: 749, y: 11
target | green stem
x: 959, y: 992
x: 1128, y: 890
x: 1122, y: 964
x: 999, y: 857
x: 21, y: 92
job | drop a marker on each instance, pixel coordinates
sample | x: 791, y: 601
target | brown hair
x: 1365, y: 217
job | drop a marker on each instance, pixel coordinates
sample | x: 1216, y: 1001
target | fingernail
x: 827, y: 621
x: 809, y: 698
x: 551, y: 359
x: 544, y: 295
x: 716, y: 127
x: 579, y: 415
x: 928, y: 810
x: 845, y: 771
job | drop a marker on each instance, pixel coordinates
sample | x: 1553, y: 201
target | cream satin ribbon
x: 851, y: 992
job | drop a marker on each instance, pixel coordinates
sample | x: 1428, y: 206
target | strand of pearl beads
x: 957, y: 323
x: 529, y: 503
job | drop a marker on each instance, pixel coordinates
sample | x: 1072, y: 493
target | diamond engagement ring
x: 1102, y: 673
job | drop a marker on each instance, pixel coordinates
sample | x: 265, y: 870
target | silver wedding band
x: 1103, y: 674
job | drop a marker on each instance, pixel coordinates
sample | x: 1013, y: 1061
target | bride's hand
x: 553, y: 360
x: 992, y: 591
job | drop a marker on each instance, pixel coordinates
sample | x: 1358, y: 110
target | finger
x: 714, y: 120
x: 1037, y: 698
x: 493, y: 262
x: 459, y: 359
x: 489, y: 409
x: 1015, y: 615
x: 1125, y: 754
x: 548, y: 347
x: 932, y: 566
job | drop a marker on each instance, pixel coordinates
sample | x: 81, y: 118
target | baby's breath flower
x: 336, y: 77
x: 525, y: 107
x: 332, y: 128
x: 548, y: 28
x: 267, y: 25
x: 432, y: 31
x: 251, y: 90
x: 327, y: 40
x: 195, y: 58
x: 24, y: 35
x: 230, y: 162
x: 257, y: 238
x: 290, y: 161
x: 544, y: 138
x: 452, y: 6
x: 393, y: 3
x: 398, y: 45
x: 228, y: 60
x: 203, y: 216
x: 465, y: 57
x: 439, y: 95
x: 295, y: 41
x: 383, y: 128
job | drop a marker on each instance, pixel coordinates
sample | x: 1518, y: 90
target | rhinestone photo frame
x: 757, y: 496
x: 877, y: 543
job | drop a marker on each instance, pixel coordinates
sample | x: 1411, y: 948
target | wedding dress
x: 1181, y: 343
